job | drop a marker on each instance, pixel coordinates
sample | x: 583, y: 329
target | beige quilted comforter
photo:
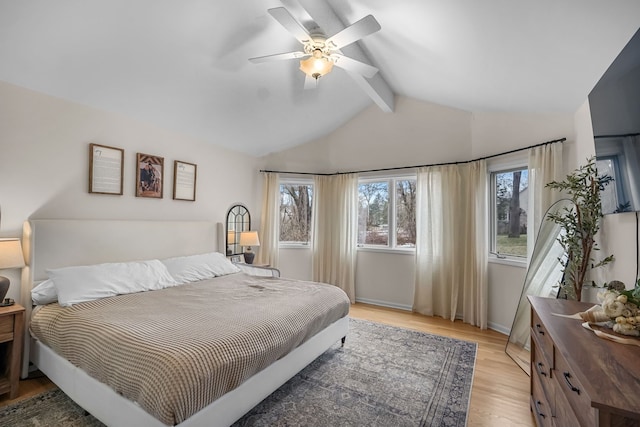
x: 176, y: 350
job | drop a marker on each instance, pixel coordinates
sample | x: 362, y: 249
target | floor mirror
x: 543, y: 278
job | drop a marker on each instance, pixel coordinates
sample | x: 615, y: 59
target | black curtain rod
x: 616, y: 136
x: 419, y: 166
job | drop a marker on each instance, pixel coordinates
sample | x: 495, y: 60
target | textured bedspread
x: 176, y: 350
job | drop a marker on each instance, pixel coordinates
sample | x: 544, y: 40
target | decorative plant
x: 581, y: 224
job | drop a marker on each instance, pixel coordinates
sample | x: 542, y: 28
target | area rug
x: 383, y: 376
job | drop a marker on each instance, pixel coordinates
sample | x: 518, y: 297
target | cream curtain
x: 335, y: 214
x: 451, y: 242
x: 545, y: 165
x: 270, y: 221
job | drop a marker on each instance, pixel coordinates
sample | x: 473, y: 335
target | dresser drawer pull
x: 538, y: 403
x: 539, y: 328
x: 567, y: 375
x: 540, y: 371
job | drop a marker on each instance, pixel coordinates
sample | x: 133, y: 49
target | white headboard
x: 55, y: 243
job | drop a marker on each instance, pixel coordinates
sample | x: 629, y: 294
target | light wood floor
x: 500, y: 393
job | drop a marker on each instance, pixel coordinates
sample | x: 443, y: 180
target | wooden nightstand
x: 11, y: 336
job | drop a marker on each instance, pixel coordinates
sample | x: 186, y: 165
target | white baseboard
x: 384, y: 303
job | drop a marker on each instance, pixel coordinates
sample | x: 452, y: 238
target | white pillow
x: 192, y: 268
x: 44, y: 293
x: 87, y: 283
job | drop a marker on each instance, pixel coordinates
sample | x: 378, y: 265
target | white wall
x: 617, y: 234
x: 44, y: 161
x: 418, y: 133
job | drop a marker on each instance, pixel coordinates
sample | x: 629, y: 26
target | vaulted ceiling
x: 183, y: 65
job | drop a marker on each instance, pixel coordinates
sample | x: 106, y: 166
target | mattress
x: 174, y: 351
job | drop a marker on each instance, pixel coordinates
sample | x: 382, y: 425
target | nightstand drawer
x: 6, y: 328
x: 573, y: 390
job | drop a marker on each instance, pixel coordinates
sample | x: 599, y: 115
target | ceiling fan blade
x: 352, y: 65
x: 310, y: 82
x: 278, y: 57
x: 290, y: 23
x: 354, y: 32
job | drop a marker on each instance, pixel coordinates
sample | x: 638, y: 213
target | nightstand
x: 11, y: 336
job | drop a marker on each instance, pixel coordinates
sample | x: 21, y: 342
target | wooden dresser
x: 578, y: 379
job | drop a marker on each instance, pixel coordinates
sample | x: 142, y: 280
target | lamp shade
x: 11, y: 254
x: 231, y: 237
x: 249, y: 238
x: 317, y: 65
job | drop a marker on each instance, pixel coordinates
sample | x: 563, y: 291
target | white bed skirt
x: 114, y: 410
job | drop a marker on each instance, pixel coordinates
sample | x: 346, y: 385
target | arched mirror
x: 238, y: 220
x: 543, y: 279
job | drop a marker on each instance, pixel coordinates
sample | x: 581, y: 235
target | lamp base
x: 248, y: 257
x: 4, y: 287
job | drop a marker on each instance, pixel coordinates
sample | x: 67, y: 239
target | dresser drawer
x: 563, y: 415
x: 542, y: 337
x: 6, y: 328
x: 569, y: 386
x: 541, y: 368
x: 540, y: 403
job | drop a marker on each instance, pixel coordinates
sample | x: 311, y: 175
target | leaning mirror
x: 543, y: 278
x: 238, y: 220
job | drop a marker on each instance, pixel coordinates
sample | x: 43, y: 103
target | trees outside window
x: 509, y: 220
x: 296, y: 201
x: 386, y: 214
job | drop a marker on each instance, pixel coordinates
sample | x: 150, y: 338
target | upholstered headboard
x: 59, y: 243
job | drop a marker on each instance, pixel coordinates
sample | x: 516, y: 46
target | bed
x: 54, y: 244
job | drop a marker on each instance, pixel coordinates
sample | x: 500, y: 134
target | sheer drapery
x: 451, y: 242
x: 335, y: 214
x: 270, y: 221
x: 545, y: 165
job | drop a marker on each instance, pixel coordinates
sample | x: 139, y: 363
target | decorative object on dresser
x: 578, y: 379
x: 11, y: 256
x: 581, y: 224
x: 11, y: 336
x: 248, y: 239
x: 543, y: 279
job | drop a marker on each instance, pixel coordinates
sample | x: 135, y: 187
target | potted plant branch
x: 581, y: 224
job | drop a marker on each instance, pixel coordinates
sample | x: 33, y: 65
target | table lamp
x: 10, y: 257
x: 248, y: 239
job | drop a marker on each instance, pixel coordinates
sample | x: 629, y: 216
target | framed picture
x: 236, y: 258
x: 184, y: 181
x: 105, y: 169
x: 149, y: 176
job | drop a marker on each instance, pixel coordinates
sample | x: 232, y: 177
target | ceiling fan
x: 322, y: 52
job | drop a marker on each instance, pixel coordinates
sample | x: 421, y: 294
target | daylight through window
x: 296, y: 201
x: 509, y: 220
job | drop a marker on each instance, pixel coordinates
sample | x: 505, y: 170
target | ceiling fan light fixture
x: 317, y: 65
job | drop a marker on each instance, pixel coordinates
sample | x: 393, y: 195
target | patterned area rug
x: 383, y: 376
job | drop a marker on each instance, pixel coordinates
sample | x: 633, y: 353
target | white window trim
x: 299, y: 181
x: 391, y: 246
x: 505, y: 163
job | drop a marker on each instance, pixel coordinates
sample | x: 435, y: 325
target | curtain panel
x: 545, y: 165
x: 451, y: 242
x: 335, y: 222
x: 270, y: 221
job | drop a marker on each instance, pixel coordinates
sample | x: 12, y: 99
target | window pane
x: 373, y: 213
x: 511, y: 188
x: 406, y: 213
x: 295, y: 213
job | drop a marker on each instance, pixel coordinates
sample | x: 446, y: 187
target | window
x: 296, y: 201
x: 386, y: 213
x: 509, y: 191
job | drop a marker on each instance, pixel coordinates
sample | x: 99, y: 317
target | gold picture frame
x: 106, y: 172
x: 149, y: 176
x: 184, y: 180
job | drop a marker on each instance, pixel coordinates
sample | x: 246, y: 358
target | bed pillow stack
x: 186, y: 269
x: 87, y: 283
x: 72, y: 285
